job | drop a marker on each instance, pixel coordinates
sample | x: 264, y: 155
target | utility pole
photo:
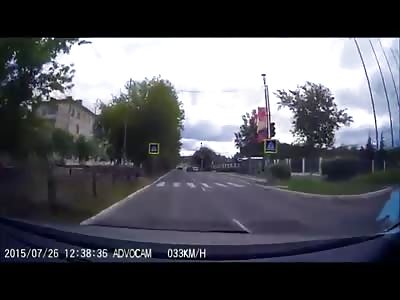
x: 124, y: 147
x: 267, y: 108
x: 201, y: 155
x: 268, y: 112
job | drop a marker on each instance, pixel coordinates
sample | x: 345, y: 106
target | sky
x: 219, y: 79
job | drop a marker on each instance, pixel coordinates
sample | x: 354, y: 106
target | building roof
x: 69, y: 100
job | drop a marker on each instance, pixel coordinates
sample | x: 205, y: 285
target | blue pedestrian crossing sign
x: 154, y: 148
x: 271, y: 146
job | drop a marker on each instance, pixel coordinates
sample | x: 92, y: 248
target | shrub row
x: 344, y: 168
x: 280, y: 171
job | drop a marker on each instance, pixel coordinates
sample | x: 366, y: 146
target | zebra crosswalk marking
x: 191, y: 185
x: 235, y: 184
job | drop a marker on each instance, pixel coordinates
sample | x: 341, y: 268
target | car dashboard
x: 22, y: 241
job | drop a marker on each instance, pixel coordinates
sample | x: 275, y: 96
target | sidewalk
x: 249, y: 177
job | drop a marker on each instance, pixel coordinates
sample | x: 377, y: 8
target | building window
x: 52, y: 109
x: 73, y: 112
x: 77, y: 128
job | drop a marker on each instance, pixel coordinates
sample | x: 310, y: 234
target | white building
x: 68, y: 114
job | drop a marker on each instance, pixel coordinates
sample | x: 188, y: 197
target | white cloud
x: 215, y: 65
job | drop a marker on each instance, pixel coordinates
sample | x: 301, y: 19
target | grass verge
x: 81, y: 205
x: 357, y: 185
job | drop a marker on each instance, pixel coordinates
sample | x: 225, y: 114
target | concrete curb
x: 368, y: 195
x: 120, y: 202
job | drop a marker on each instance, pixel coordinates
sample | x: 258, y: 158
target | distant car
x: 195, y: 169
x: 179, y: 167
x: 189, y: 169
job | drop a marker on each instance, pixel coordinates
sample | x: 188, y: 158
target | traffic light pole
x: 267, y: 108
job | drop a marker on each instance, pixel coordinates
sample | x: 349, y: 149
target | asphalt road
x: 209, y: 201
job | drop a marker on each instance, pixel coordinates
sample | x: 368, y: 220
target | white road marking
x: 220, y: 184
x: 176, y: 184
x: 160, y: 184
x: 191, y: 185
x: 206, y: 185
x: 235, y: 184
x: 203, y: 189
x: 241, y: 225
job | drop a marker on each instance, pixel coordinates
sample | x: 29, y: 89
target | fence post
x: 373, y: 165
x: 303, y: 165
x: 384, y: 165
x: 320, y: 166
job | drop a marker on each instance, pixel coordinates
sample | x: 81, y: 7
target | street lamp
x: 268, y: 111
x: 267, y: 108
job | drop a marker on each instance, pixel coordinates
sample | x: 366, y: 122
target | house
x: 68, y: 114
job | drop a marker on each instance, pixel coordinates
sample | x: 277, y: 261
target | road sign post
x: 154, y: 150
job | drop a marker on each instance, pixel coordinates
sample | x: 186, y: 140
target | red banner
x: 262, y: 124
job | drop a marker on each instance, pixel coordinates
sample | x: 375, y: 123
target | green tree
x: 369, y: 151
x: 205, y: 155
x: 63, y: 143
x: 382, y: 143
x: 84, y: 148
x: 381, y: 154
x: 29, y: 72
x: 146, y: 111
x: 316, y: 115
x: 246, y: 137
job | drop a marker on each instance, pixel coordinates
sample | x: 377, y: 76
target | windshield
x: 292, y: 139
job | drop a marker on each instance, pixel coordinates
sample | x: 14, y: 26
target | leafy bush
x: 280, y: 171
x: 341, y: 168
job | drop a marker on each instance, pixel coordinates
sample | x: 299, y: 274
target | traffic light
x: 272, y: 128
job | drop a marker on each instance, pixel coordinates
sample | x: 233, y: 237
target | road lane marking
x: 206, y: 185
x: 235, y: 184
x: 203, y: 189
x: 220, y: 184
x: 191, y: 185
x: 160, y: 184
x: 176, y: 184
x: 241, y: 225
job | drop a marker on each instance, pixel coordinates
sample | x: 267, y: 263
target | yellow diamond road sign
x: 154, y: 148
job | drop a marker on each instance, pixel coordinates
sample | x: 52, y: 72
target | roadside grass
x: 357, y: 185
x: 75, y: 201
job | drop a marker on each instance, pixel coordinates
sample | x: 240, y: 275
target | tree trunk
x: 51, y: 186
x: 94, y: 183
